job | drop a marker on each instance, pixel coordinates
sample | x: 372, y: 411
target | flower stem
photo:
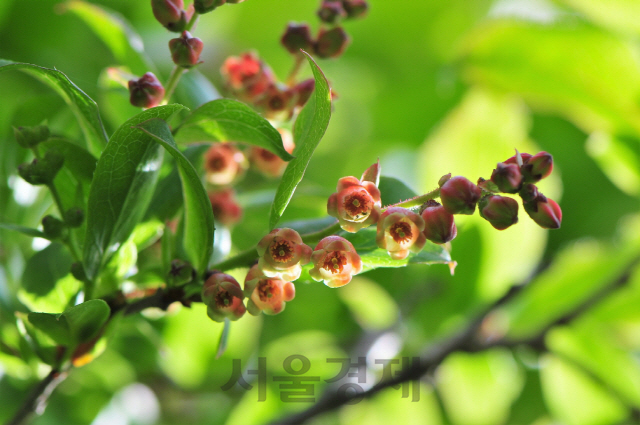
x: 177, y: 71
x: 243, y: 259
x: 291, y: 78
x: 417, y: 201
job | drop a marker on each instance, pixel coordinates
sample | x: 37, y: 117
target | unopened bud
x: 331, y: 43
x: 185, y: 51
x: 297, y: 37
x: 42, y: 171
x: 460, y: 196
x: 74, y: 217
x: 519, y: 158
x: 355, y: 8
x: 170, y: 14
x: 529, y: 192
x: 544, y: 211
x: 180, y: 273
x: 537, y: 167
x: 439, y: 225
x: 28, y: 137
x: 206, y: 6
x: 500, y: 211
x: 507, y: 177
x: 52, y: 227
x: 331, y: 11
x: 444, y: 179
x: 146, y: 92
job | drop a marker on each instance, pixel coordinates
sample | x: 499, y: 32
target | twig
x: 38, y: 397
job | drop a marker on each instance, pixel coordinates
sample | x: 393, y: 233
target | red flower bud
x: 297, y: 37
x: 537, y: 167
x: 500, y: 211
x: 460, y: 196
x: 282, y: 254
x: 224, y: 163
x: 146, y: 92
x: 222, y: 295
x: 544, y: 211
x: 267, y: 294
x: 169, y: 13
x: 529, y: 192
x: 226, y: 210
x: 355, y: 8
x: 399, y: 231
x: 331, y: 43
x: 524, y: 157
x: 439, y: 226
x: 185, y: 51
x: 507, y: 177
x: 356, y: 204
x: 331, y: 11
x: 269, y: 163
x: 335, y: 261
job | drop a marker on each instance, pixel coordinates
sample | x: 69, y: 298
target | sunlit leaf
x: 86, y: 320
x: 44, y: 269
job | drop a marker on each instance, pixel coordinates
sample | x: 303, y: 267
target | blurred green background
x: 428, y: 87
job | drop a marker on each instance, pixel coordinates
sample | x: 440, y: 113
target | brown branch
x: 37, y: 399
x: 467, y: 340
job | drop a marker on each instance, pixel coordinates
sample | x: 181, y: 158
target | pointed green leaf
x: 45, y: 268
x: 198, y: 231
x: 307, y: 133
x: 83, y: 107
x: 123, y: 42
x: 24, y: 230
x: 226, y: 120
x: 53, y: 325
x: 122, y: 187
x: 393, y: 191
x: 86, y: 320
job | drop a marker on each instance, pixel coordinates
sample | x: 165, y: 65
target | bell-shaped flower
x: 226, y: 209
x: 224, y: 163
x: 400, y: 231
x: 335, y: 261
x: 222, y: 295
x: 356, y: 204
x: 266, y: 294
x: 282, y: 254
x: 269, y: 163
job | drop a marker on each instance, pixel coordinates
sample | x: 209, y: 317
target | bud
x: 529, y: 192
x: 74, y: 217
x: 180, y: 273
x: 247, y: 76
x: 303, y: 91
x: 356, y: 204
x: 77, y: 271
x: 266, y: 294
x: 355, y: 8
x: 460, y: 196
x: 439, y: 226
x: 269, y: 163
x: 42, y: 171
x: 331, y: 43
x: 28, y: 137
x: 518, y: 158
x: 146, y: 92
x: 297, y: 37
x: 282, y: 254
x: 537, y: 167
x: 400, y: 231
x: 222, y: 295
x: 170, y: 14
x: 185, y: 51
x: 544, y: 211
x: 52, y: 227
x: 500, y: 211
x: 444, y: 179
x: 331, y: 11
x: 206, y: 6
x: 224, y: 163
x: 226, y: 210
x: 335, y: 261
x: 507, y: 177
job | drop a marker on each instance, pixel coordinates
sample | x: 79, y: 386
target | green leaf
x: 53, y: 325
x: 44, y: 268
x: 308, y: 130
x: 77, y: 159
x: 86, y: 320
x: 198, y: 232
x: 586, y: 73
x: 226, y: 120
x: 122, y: 187
x: 393, y: 191
x: 83, y: 107
x: 24, y: 230
x: 224, y: 338
x: 123, y: 42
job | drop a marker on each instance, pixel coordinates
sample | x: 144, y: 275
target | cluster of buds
x: 171, y: 14
x: 251, y: 80
x: 332, y: 11
x: 329, y: 43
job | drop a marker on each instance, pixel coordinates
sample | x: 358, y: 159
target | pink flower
x: 267, y: 294
x: 282, y: 254
x: 400, y: 230
x: 356, y: 204
x: 269, y: 163
x: 224, y: 163
x: 226, y: 210
x: 335, y: 261
x: 247, y: 76
x: 223, y: 297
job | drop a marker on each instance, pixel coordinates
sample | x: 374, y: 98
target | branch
x: 467, y: 340
x: 38, y: 397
